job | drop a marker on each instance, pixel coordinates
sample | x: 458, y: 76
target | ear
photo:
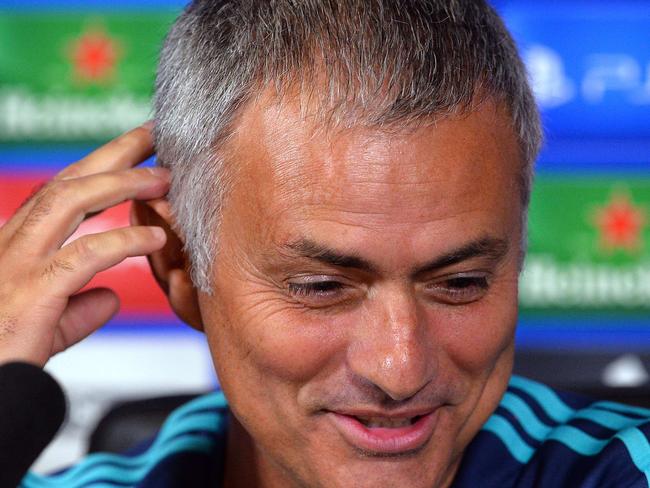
x: 169, y: 265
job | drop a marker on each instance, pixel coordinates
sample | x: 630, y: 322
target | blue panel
x: 589, y: 62
x: 597, y: 155
x: 585, y: 333
x: 48, y: 158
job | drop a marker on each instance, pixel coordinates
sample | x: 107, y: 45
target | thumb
x: 85, y: 313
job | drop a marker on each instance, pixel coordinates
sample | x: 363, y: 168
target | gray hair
x: 384, y: 63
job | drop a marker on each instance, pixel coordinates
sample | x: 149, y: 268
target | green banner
x: 71, y: 77
x: 588, y: 245
x: 86, y: 77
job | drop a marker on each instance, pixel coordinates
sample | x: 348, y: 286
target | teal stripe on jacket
x: 204, y: 414
x: 606, y: 414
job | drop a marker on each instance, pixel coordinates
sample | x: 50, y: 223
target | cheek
x: 475, y: 336
x: 273, y: 340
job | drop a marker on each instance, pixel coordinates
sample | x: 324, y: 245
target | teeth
x: 385, y: 422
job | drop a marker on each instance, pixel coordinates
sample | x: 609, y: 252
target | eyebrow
x: 312, y: 250
x: 491, y: 248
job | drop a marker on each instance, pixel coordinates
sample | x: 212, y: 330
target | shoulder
x: 541, y: 437
x: 187, y: 442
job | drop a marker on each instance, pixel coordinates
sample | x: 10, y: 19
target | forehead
x: 371, y: 176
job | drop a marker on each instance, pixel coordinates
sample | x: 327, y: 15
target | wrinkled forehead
x: 398, y: 196
x: 280, y: 149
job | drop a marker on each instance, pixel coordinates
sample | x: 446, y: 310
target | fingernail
x: 158, y: 233
x: 149, y: 124
x: 159, y: 172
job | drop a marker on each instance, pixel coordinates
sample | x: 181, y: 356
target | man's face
x: 365, y: 294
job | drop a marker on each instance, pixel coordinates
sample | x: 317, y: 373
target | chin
x: 412, y: 471
x: 335, y: 463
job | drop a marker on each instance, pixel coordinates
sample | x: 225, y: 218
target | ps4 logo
x: 604, y: 74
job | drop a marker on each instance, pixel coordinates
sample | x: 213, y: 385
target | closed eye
x: 459, y: 289
x: 320, y: 291
x: 322, y: 288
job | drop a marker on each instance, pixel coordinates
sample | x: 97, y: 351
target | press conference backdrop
x: 73, y: 74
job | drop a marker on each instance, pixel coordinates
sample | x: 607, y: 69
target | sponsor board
x: 71, y: 77
x: 588, y: 246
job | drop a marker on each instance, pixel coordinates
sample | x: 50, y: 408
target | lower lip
x: 383, y: 440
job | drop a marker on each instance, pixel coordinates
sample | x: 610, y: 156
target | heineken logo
x: 620, y: 223
x: 28, y: 116
x: 78, y: 77
x: 94, y: 55
x: 588, y: 245
x: 548, y: 283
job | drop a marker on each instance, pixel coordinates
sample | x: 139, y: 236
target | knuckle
x: 42, y: 208
x: 71, y: 171
x: 55, y: 193
x: 126, y: 238
x: 56, y: 267
x: 86, y: 248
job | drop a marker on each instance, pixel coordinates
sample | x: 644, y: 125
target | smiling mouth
x: 383, y: 435
x: 387, y: 423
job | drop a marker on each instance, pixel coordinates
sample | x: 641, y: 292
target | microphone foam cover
x: 32, y: 408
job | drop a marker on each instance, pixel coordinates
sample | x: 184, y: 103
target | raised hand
x: 42, y: 311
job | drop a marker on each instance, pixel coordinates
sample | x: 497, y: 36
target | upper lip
x: 401, y: 414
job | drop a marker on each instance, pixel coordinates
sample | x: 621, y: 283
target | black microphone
x: 32, y: 408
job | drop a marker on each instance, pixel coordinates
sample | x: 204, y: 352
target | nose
x: 392, y: 347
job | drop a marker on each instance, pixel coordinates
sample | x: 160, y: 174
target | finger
x: 126, y: 151
x: 76, y: 263
x: 16, y: 220
x: 86, y: 312
x: 63, y: 205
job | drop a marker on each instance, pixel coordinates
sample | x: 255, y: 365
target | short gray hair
x: 386, y: 64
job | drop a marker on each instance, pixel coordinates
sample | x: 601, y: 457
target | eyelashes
x: 456, y: 289
x: 322, y: 294
x: 315, y: 288
x: 460, y: 289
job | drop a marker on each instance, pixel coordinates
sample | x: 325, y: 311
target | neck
x: 246, y: 466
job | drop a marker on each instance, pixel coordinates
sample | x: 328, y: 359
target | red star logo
x: 94, y: 56
x: 620, y: 223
